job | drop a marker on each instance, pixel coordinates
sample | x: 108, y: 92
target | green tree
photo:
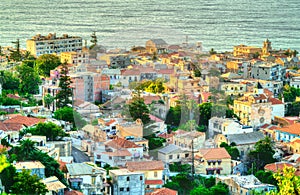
x: 212, y: 51
x: 139, y: 110
x: 173, y: 116
x: 69, y: 115
x: 288, y: 182
x: 29, y: 78
x: 261, y: 155
x: 293, y: 109
x: 28, y: 184
x: 16, y: 54
x: 52, y: 131
x: 7, y: 177
x: 266, y: 177
x: 47, y: 62
x: 48, y: 99
x: 205, y: 113
x: 232, y: 150
x: 9, y: 81
x: 26, y: 149
x: 65, y: 92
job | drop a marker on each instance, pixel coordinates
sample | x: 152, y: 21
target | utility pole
x: 193, y: 160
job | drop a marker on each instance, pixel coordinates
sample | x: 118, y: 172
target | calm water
x: 219, y: 24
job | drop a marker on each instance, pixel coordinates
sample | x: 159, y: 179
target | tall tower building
x: 266, y: 48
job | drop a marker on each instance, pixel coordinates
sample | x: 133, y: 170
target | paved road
x: 79, y: 156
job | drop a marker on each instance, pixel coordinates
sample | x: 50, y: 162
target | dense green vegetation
x: 232, y: 150
x: 70, y: 115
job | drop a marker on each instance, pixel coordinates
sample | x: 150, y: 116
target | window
x: 121, y: 189
x: 208, y: 163
x: 170, y: 156
x: 155, y: 173
x: 178, y: 156
x: 128, y: 189
x: 98, y: 156
x: 128, y: 178
x: 141, y: 177
x: 186, y: 155
x: 110, y: 158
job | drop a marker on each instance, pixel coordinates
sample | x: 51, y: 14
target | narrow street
x: 79, y: 156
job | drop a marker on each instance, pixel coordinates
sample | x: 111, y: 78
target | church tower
x: 266, y: 48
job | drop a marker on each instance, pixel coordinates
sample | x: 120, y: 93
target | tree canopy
x: 65, y: 93
x: 232, y: 150
x: 29, y: 80
x: 138, y: 109
x: 45, y: 63
x: 70, y: 115
x: 25, y: 183
x: 52, y: 131
x: 261, y: 155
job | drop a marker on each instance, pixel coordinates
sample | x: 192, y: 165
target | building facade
x: 39, y: 45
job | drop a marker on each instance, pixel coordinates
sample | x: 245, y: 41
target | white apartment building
x: 39, y: 45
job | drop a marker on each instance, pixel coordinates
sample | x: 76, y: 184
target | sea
x: 218, y: 24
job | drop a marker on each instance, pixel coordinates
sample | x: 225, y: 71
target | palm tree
x: 27, y: 147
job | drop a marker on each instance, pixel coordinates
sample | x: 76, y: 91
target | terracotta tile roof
x: 119, y: 143
x: 274, y: 167
x: 130, y: 72
x: 214, y: 153
x: 118, y: 153
x: 10, y: 126
x: 293, y: 129
x: 166, y: 135
x: 260, y: 97
x: 154, y: 182
x: 268, y: 92
x: 275, y: 101
x: 24, y: 120
x: 73, y: 192
x: 110, y: 122
x: 149, y: 98
x: 145, y: 165
x: 13, y: 96
x: 164, y: 191
x: 166, y: 71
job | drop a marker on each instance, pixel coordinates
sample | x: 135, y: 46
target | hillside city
x: 158, y: 119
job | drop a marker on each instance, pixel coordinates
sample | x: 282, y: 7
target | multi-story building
x: 114, y: 75
x: 254, y: 109
x: 125, y: 182
x: 156, y: 46
x: 188, y: 140
x: 117, y: 152
x: 35, y: 167
x: 295, y: 82
x: 268, y: 71
x: 234, y: 89
x: 226, y: 126
x: 75, y: 57
x: 276, y: 87
x: 244, y: 185
x: 153, y: 171
x: 39, y: 45
x: 287, y: 133
x: 247, y: 51
x: 213, y: 161
x: 88, y: 86
x: 172, y: 153
x: 86, y: 177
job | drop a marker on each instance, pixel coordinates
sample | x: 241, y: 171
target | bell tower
x: 266, y: 48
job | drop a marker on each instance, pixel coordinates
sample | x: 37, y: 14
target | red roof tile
x: 145, y: 165
x: 214, y: 153
x: 275, y: 101
x: 154, y: 182
x: 274, y: 167
x: 110, y: 122
x: 118, y: 153
x: 24, y: 120
x: 149, y: 98
x: 119, y: 143
x: 164, y: 191
x: 73, y: 192
x: 293, y: 129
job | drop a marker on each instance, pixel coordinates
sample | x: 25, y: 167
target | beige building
x: 254, y: 109
x: 212, y: 161
x: 185, y: 139
x: 172, y: 153
x: 130, y: 129
x: 153, y: 171
x: 244, y: 185
x: 247, y: 51
x: 39, y: 45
